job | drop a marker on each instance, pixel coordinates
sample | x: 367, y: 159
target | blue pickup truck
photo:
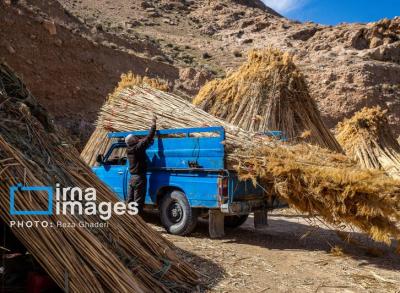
x: 187, y: 179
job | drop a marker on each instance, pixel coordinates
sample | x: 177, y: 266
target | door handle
x: 120, y: 172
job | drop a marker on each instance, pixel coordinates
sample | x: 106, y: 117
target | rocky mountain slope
x: 68, y: 67
x: 348, y: 66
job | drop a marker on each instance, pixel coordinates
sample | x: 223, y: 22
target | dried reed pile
x: 367, y: 138
x: 130, y: 79
x: 100, y: 135
x: 326, y: 185
x: 311, y: 179
x: 268, y: 92
x: 125, y: 256
x: 133, y: 108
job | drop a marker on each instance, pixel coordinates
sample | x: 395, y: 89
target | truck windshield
x: 118, y: 156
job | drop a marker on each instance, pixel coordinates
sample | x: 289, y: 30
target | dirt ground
x: 293, y: 254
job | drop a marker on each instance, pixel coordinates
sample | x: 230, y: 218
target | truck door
x: 116, y: 170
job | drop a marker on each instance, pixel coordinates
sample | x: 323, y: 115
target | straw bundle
x: 367, y: 138
x: 326, y: 185
x: 133, y: 108
x: 100, y: 135
x: 311, y: 179
x: 268, y: 92
x: 131, y: 79
x: 125, y: 256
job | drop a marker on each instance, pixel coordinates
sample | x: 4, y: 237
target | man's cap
x: 131, y: 139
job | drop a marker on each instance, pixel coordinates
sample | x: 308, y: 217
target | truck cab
x: 186, y: 179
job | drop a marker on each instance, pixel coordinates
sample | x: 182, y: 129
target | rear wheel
x: 177, y: 216
x: 235, y: 221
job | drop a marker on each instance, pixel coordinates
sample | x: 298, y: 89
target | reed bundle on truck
x: 326, y: 185
x: 367, y: 138
x: 124, y: 256
x: 99, y: 136
x: 268, y: 92
x: 311, y: 179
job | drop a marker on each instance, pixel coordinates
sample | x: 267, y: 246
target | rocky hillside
x: 68, y: 66
x: 348, y: 66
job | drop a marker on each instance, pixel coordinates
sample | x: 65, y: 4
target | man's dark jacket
x: 137, y: 153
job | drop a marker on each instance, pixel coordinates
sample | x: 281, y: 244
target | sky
x: 332, y: 12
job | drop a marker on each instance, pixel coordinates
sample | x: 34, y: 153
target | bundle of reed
x: 367, y: 138
x: 133, y: 109
x: 100, y: 135
x: 123, y: 256
x: 268, y: 92
x: 303, y: 175
x: 326, y: 185
x: 131, y: 79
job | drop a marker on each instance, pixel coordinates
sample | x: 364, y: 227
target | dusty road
x: 291, y: 255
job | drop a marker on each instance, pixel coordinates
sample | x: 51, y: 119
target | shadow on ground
x: 210, y: 272
x: 287, y: 232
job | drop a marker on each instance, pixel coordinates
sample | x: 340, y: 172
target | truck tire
x: 176, y: 215
x: 235, y: 221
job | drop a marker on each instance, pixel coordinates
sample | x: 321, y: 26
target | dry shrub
x: 268, y: 92
x: 367, y: 138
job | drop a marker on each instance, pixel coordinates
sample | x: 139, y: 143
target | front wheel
x: 176, y: 215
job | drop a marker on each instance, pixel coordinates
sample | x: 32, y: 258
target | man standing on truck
x: 138, y: 165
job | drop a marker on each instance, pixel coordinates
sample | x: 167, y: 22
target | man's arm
x: 145, y: 142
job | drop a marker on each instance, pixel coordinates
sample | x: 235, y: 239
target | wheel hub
x: 175, y: 212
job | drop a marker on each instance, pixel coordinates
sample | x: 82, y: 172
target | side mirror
x: 100, y: 159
